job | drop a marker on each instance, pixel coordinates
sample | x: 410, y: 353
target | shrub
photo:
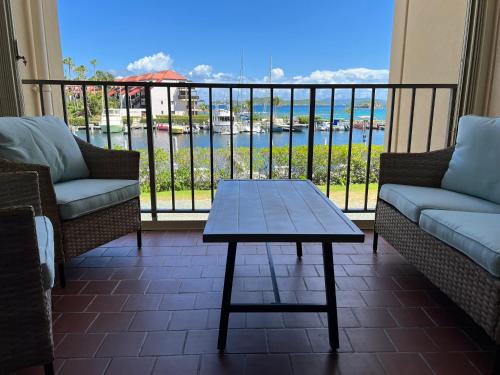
x: 241, y: 162
x: 177, y: 119
x: 76, y: 120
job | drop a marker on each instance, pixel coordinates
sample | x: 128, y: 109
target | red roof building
x: 164, y: 75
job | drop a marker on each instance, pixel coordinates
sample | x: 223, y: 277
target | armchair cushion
x: 45, y: 141
x: 81, y: 197
x: 473, y: 168
x: 476, y: 235
x: 45, y: 239
x: 411, y: 200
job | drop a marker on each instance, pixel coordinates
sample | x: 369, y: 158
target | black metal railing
x: 393, y: 93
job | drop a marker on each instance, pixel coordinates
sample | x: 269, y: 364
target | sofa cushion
x: 473, y: 167
x: 45, y: 239
x: 42, y: 140
x: 81, y: 197
x: 411, y: 200
x: 477, y: 235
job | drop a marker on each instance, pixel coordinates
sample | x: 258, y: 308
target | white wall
x: 426, y: 48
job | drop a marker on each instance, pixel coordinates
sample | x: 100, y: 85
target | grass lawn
x: 337, y: 194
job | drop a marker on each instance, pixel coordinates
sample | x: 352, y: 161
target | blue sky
x: 309, y: 41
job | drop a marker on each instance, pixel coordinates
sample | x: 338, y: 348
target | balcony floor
x: 156, y: 311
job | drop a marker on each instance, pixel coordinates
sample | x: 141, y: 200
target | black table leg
x: 331, y: 299
x: 226, y: 295
x: 299, y: 249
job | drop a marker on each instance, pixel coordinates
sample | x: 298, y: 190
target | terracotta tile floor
x: 126, y: 311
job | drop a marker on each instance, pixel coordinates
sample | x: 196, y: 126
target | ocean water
x: 323, y: 111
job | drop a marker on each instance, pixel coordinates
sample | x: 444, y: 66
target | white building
x: 159, y: 95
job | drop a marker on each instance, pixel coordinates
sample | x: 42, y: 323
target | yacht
x: 222, y: 122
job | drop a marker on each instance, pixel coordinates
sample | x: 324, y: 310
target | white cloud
x: 205, y: 73
x: 223, y: 77
x: 277, y: 73
x: 202, y: 70
x: 352, y: 75
x: 158, y: 61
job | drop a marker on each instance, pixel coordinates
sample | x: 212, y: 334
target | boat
x: 244, y: 128
x: 379, y: 125
x: 115, y: 122
x: 323, y: 126
x: 339, y: 125
x: 162, y: 126
x: 298, y: 127
x: 222, y: 122
x: 178, y: 129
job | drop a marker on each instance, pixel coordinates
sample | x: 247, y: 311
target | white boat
x: 115, y: 121
x: 244, y: 128
x: 222, y: 122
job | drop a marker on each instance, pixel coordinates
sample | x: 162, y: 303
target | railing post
x: 86, y: 112
x: 310, y: 138
x: 451, y: 118
x: 42, y: 101
x: 127, y: 106
x: 63, y: 102
x: 106, y: 108
x: 151, y: 152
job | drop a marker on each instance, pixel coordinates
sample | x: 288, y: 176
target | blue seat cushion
x: 45, y: 239
x: 42, y: 140
x: 473, y: 167
x: 411, y: 200
x: 81, y: 197
x: 476, y: 235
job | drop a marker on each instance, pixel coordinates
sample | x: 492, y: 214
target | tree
x: 68, y: 61
x: 101, y: 75
x: 202, y: 106
x: 93, y: 62
x: 81, y: 72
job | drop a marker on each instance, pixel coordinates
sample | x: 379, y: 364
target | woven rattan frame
x: 109, y: 164
x: 471, y: 287
x: 25, y: 308
x: 93, y: 230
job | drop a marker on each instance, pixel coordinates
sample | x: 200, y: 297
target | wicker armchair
x: 472, y: 288
x: 76, y: 236
x: 25, y: 310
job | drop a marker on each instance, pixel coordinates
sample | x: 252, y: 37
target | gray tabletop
x: 276, y: 211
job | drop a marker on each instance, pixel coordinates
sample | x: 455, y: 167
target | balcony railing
x: 246, y: 162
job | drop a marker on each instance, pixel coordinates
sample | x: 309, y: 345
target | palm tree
x: 69, y: 62
x: 93, y: 62
x: 81, y: 71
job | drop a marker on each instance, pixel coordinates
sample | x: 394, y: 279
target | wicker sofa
x: 468, y: 277
x: 86, y: 210
x: 26, y: 274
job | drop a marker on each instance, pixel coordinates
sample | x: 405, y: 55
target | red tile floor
x: 156, y: 311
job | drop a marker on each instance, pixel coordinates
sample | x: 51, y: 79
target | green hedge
x: 76, y: 120
x: 241, y: 164
x: 178, y: 119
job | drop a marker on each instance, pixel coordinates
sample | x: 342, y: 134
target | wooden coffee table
x: 277, y: 211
